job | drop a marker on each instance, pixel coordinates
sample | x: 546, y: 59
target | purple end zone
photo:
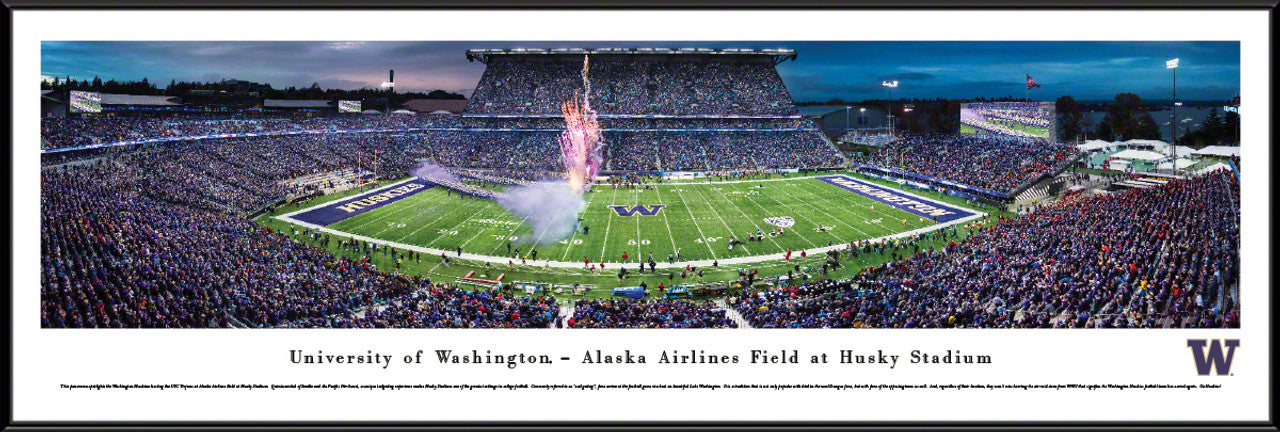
x: 342, y: 209
x: 925, y: 208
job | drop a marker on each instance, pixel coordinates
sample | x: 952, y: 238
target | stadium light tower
x: 1173, y: 117
x: 391, y: 87
x: 906, y: 109
x: 889, y: 85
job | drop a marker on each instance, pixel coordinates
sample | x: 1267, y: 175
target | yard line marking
x: 722, y: 222
x: 459, y: 224
x: 802, y: 217
x: 607, y: 223
x: 918, y: 197
x: 433, y: 222
x: 749, y: 218
x: 664, y: 220
x: 695, y: 223
x: 512, y: 233
x: 379, y: 218
x: 639, y: 249
x: 819, y: 209
x: 569, y: 246
x: 879, y: 222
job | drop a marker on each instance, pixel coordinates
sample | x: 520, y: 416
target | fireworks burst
x: 580, y: 143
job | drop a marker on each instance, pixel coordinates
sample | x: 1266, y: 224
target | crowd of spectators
x: 995, y: 162
x: 651, y: 313
x: 633, y: 88
x: 447, y: 306
x: 1161, y: 257
x: 117, y: 255
x: 80, y: 131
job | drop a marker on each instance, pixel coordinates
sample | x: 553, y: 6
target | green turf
x: 694, y: 214
x: 697, y: 220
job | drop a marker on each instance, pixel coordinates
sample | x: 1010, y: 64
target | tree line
x: 180, y: 88
x: 1127, y: 117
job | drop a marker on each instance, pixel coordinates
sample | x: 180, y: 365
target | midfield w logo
x: 1214, y: 359
x: 629, y: 211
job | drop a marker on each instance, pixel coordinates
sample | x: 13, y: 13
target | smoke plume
x: 551, y: 209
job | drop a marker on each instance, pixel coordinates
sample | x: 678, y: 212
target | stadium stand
x: 158, y: 235
x: 1159, y: 257
x: 995, y: 162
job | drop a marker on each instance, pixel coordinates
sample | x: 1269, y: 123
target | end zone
x: 337, y: 211
x: 901, y: 200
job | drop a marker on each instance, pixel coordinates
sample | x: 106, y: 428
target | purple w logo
x: 1214, y: 359
x: 629, y: 211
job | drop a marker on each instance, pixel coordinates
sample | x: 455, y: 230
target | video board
x: 348, y: 106
x: 1029, y: 119
x: 86, y: 102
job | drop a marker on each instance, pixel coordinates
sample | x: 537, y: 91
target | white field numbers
x: 708, y: 240
x: 632, y: 242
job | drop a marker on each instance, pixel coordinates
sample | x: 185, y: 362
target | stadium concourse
x: 147, y: 219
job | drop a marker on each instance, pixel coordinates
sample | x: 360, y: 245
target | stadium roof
x: 138, y: 100
x: 779, y: 55
x: 454, y: 106
x: 818, y: 111
x: 285, y: 103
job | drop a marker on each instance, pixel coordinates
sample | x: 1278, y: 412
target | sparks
x: 580, y: 143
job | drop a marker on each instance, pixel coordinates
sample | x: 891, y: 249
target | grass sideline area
x: 706, y: 210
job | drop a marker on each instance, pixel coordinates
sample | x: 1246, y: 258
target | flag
x: 1031, y: 82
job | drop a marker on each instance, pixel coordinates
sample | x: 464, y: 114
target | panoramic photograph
x: 640, y: 184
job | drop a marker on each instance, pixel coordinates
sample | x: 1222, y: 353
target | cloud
x: 908, y: 76
x: 345, y: 45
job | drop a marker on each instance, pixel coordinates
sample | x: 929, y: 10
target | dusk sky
x: 823, y: 70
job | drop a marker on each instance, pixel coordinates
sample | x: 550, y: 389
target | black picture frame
x: 913, y: 5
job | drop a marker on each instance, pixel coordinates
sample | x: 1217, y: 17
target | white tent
x: 1094, y: 145
x: 403, y: 111
x: 1154, y: 144
x: 1223, y: 151
x: 1212, y: 168
x: 1139, y: 155
x: 1183, y: 163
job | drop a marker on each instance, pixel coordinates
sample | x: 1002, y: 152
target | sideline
x: 776, y: 256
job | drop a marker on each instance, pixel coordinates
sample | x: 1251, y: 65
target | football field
x: 694, y: 219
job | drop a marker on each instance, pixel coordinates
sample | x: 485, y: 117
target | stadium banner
x: 337, y: 211
x: 913, y: 204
